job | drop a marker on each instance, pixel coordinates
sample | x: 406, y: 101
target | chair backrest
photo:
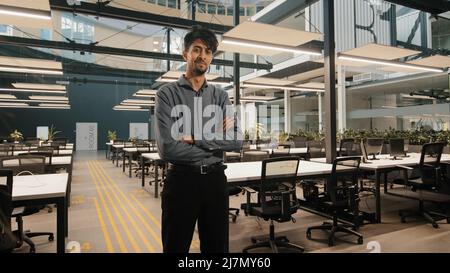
x: 430, y: 159
x: 277, y: 189
x: 343, y: 181
x: 48, y: 155
x: 347, y: 147
x: 281, y: 151
x: 7, y: 239
x: 315, y: 149
x: 31, y: 163
x: 254, y: 155
x: 397, y: 146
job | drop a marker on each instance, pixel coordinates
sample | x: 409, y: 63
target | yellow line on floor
x: 147, y: 212
x: 122, y: 246
x: 116, y: 210
x: 155, y: 236
x: 106, y: 235
x: 112, y: 185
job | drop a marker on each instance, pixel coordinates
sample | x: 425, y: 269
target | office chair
x: 346, y: 147
x: 8, y: 240
x: 315, y: 149
x: 254, y: 155
x: 277, y: 201
x: 281, y: 151
x: 30, y: 164
x: 341, y: 196
x: 424, y: 186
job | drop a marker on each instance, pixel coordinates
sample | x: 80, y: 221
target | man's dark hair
x: 204, y: 34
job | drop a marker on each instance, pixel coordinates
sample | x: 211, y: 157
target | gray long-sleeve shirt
x: 179, y: 111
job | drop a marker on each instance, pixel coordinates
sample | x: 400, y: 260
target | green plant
x: 246, y: 135
x: 112, y: 135
x: 283, y: 137
x: 52, y: 132
x: 16, y: 135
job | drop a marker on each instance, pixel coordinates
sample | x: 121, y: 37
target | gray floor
x: 113, y: 213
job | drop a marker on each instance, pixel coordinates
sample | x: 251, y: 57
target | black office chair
x: 346, y: 147
x: 315, y: 149
x: 424, y: 185
x: 30, y: 164
x: 8, y: 240
x: 341, y: 197
x: 277, y: 200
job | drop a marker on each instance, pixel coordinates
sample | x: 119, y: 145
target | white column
x: 319, y: 99
x: 342, y: 111
x: 287, y: 111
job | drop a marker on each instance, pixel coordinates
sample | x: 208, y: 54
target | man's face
x: 198, y: 57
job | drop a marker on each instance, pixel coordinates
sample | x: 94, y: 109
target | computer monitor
x: 374, y: 146
x: 365, y: 158
x: 397, y: 146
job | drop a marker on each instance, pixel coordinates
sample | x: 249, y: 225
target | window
x: 201, y: 8
x: 241, y: 11
x: 221, y: 10
x: 212, y: 9
x: 259, y: 8
x: 152, y: 1
x: 6, y: 30
x: 230, y: 10
x: 162, y: 3
x: 250, y: 11
x: 172, y: 4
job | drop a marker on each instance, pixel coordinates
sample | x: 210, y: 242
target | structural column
x: 287, y: 111
x: 342, y: 108
x: 330, y: 81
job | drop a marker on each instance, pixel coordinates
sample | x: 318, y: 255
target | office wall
x: 90, y: 102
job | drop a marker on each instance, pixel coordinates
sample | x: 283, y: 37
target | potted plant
x: 112, y: 136
x: 52, y: 132
x: 16, y: 135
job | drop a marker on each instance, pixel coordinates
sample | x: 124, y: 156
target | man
x: 195, y: 189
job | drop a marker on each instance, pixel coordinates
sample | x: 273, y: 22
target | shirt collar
x: 183, y: 82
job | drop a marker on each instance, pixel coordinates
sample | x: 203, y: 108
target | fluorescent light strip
x: 418, y: 97
x: 130, y: 109
x: 53, y: 105
x: 388, y: 63
x: 168, y: 79
x: 146, y: 92
x: 24, y: 12
x: 51, y: 101
x: 33, y: 91
x: 137, y: 104
x: 30, y: 70
x: 39, y: 86
x: 143, y: 96
x: 127, y: 106
x: 267, y: 9
x: 56, y: 98
x: 7, y: 96
x: 281, y: 87
x: 270, y: 46
x: 131, y: 101
x: 13, y: 104
x: 36, y: 107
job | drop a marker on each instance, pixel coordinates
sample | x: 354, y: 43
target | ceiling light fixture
x: 270, y: 46
x: 39, y: 86
x: 388, y: 63
x: 24, y: 12
x: 29, y: 70
x: 281, y: 87
x: 33, y: 90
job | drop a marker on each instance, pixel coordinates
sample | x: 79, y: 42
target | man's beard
x: 198, y: 71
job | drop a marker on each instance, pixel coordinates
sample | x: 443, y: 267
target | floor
x: 111, y: 213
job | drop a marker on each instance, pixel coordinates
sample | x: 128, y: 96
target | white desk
x: 244, y: 173
x: 158, y: 162
x: 60, y: 152
x: 383, y: 165
x: 45, y: 189
x: 131, y: 151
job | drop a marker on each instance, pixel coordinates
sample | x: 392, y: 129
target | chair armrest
x: 249, y: 190
x: 17, y: 211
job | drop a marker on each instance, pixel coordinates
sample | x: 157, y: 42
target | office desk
x: 156, y: 159
x: 384, y: 165
x: 131, y: 151
x: 41, y: 190
x: 249, y: 173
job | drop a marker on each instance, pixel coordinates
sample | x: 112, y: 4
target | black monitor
x: 397, y: 147
x: 374, y: 146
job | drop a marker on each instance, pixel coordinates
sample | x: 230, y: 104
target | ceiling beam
x: 19, y: 41
x: 431, y: 6
x: 102, y: 10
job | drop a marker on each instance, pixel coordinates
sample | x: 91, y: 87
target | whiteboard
x: 139, y: 130
x: 42, y: 132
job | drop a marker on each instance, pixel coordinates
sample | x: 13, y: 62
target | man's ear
x: 185, y: 55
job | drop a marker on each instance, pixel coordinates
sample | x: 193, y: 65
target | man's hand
x: 228, y: 123
x: 187, y: 139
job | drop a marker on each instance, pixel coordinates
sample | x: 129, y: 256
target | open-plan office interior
x: 344, y: 108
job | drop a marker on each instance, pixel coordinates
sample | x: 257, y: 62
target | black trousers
x: 188, y: 198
